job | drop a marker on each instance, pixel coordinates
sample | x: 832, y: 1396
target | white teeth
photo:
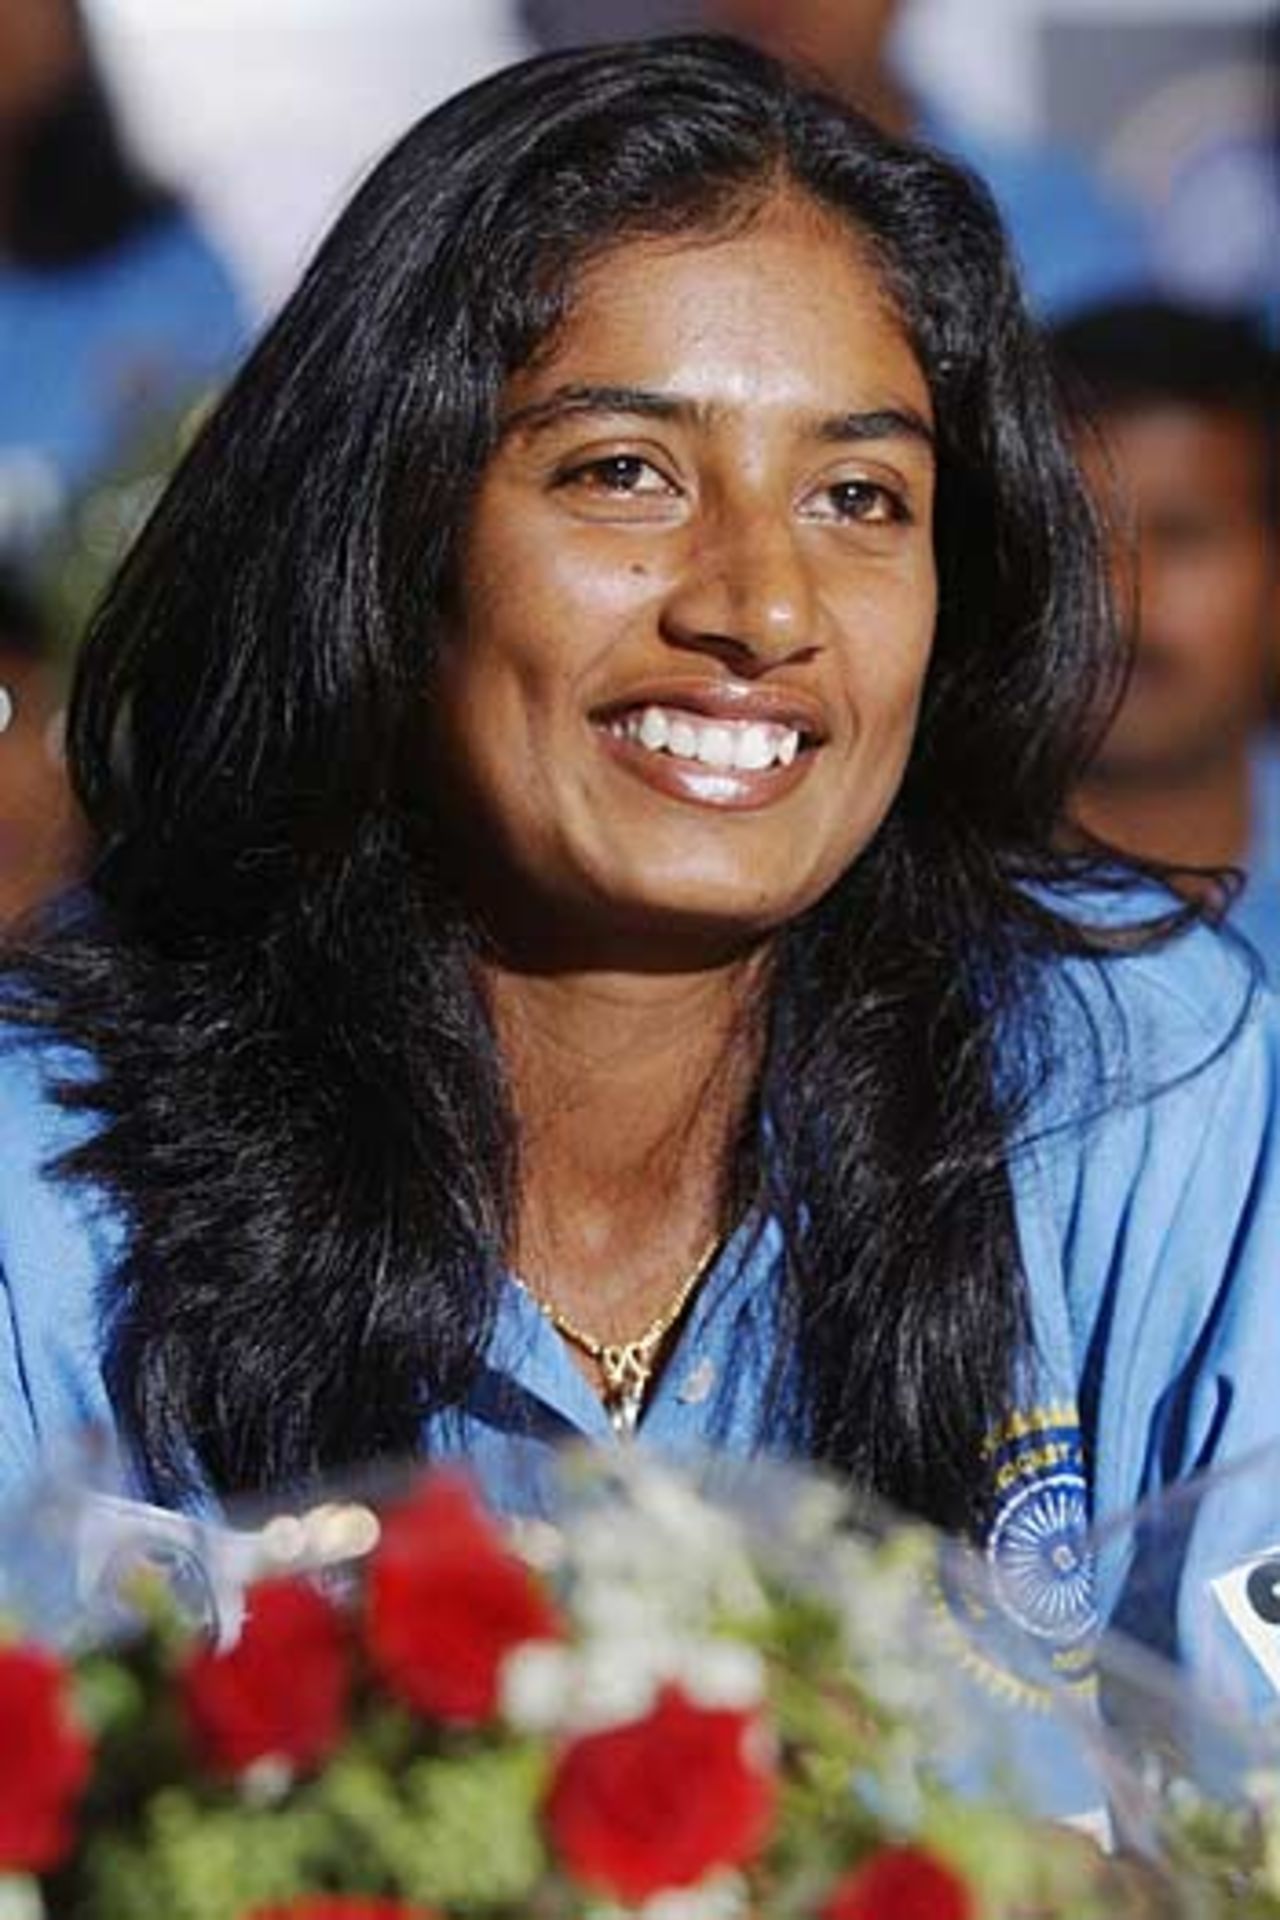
x: 749, y: 746
x: 754, y: 748
x: 715, y: 746
x: 682, y: 740
x: 653, y: 729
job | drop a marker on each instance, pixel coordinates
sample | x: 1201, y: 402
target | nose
x: 746, y: 591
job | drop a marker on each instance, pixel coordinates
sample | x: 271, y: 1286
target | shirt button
x: 698, y: 1383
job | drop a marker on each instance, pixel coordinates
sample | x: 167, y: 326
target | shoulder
x: 1266, y: 765
x: 1264, y: 852
x: 58, y: 1244
x: 1152, y: 1133
x: 1147, y: 1185
x: 34, y: 1065
x: 1169, y: 1066
x: 1128, y: 1025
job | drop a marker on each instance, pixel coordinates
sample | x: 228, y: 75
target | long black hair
x: 305, y: 1119
x: 75, y: 190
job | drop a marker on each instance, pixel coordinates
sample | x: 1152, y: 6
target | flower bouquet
x: 665, y: 1703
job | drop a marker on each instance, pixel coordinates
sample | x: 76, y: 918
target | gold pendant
x: 624, y: 1413
x: 626, y: 1373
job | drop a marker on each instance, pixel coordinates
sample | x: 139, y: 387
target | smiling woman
x: 707, y: 581
x: 578, y: 943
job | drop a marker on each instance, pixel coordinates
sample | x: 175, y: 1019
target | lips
x: 721, y: 746
x: 728, y: 702
x: 748, y: 746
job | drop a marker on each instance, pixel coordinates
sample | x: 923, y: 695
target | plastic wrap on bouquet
x: 707, y: 1694
x: 72, y: 1549
x: 1195, y: 1578
x: 1189, y: 1682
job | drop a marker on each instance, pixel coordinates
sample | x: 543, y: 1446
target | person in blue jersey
x: 578, y: 943
x: 115, y: 310
x: 1078, y: 239
x: 1180, y: 430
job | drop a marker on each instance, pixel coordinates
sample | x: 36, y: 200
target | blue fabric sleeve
x: 1169, y: 1220
x: 56, y: 1246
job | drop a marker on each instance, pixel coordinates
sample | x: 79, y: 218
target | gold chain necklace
x: 627, y: 1365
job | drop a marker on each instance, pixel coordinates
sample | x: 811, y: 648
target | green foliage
x: 458, y: 1830
x: 831, y: 1671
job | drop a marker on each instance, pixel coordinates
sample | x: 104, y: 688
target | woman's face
x: 697, y: 597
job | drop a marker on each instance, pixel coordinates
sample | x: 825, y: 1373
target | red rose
x: 44, y: 1760
x: 280, y: 1692
x: 342, y: 1906
x: 659, y: 1802
x: 901, y: 1883
x: 447, y: 1600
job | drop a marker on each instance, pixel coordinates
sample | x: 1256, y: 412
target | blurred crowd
x: 119, y: 318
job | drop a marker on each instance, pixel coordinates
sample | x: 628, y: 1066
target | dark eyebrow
x: 879, y: 423
x: 566, y: 402
x: 882, y: 423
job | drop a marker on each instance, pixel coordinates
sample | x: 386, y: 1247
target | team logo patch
x: 1040, y: 1561
x: 1038, y: 1545
x: 1031, y: 1623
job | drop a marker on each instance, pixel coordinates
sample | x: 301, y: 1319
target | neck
x: 1196, y: 816
x: 630, y: 1093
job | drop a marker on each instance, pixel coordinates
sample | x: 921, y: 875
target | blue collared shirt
x: 1256, y: 912
x: 713, y: 1395
x: 1149, y: 1224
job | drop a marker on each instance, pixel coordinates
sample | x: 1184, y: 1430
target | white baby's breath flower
x: 537, y: 1684
x: 663, y: 1543
x: 619, y: 1680
x: 603, y: 1682
x: 20, y: 1898
x: 267, y: 1781
x: 615, y: 1676
x: 619, y: 1610
x: 723, y: 1674
x: 724, y: 1898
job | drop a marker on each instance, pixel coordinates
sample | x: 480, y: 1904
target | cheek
x: 541, y: 628
x: 533, y: 570
x: 889, y: 662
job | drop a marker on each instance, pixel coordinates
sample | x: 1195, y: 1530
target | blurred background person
x: 114, y: 309
x: 1079, y: 242
x: 40, y: 832
x: 1178, y: 432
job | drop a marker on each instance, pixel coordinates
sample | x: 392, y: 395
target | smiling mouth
x: 723, y: 745
x: 735, y: 762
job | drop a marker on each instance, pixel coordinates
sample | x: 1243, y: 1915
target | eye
x: 624, y: 475
x: 865, y: 502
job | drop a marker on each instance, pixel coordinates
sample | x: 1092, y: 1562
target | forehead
x: 787, y: 309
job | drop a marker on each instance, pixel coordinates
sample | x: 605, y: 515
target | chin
x: 717, y: 915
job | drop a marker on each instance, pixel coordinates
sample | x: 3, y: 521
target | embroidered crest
x: 1040, y: 1571
x: 1040, y: 1561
